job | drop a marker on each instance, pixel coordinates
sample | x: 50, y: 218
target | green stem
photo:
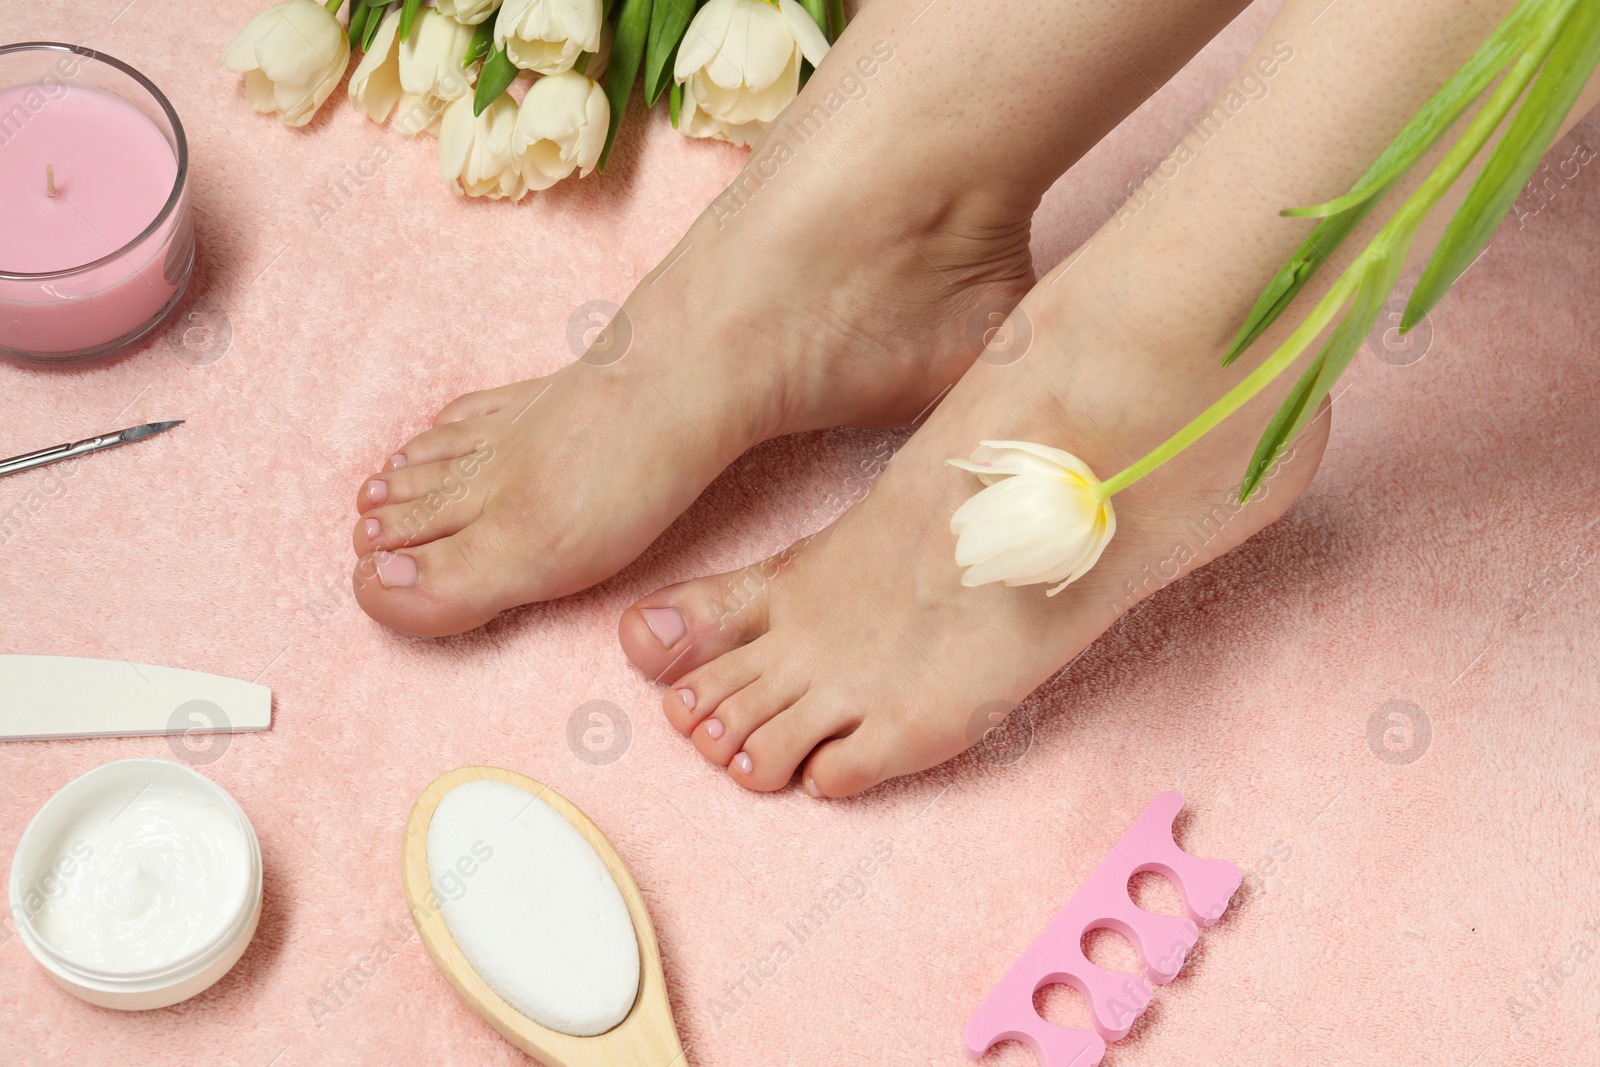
x: 835, y: 19
x: 1395, y: 234
x: 333, y: 6
x: 1239, y: 395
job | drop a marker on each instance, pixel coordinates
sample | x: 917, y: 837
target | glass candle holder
x: 96, y: 231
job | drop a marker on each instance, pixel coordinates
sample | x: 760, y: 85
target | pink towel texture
x: 1383, y: 707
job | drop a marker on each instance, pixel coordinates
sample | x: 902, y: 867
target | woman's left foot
x: 858, y: 653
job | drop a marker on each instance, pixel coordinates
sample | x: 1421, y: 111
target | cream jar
x: 138, y: 884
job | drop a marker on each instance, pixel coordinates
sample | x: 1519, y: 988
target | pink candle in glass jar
x: 96, y: 235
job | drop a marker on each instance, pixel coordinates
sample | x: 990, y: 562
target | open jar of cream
x: 138, y: 884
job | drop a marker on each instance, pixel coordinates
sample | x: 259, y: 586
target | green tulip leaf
x: 408, y: 17
x: 358, y: 22
x: 497, y: 75
x: 835, y: 20
x: 1379, y: 273
x: 1528, y: 137
x: 482, y: 41
x: 818, y: 10
x: 669, y: 19
x: 1341, y: 216
x: 375, y: 14
x: 627, y: 51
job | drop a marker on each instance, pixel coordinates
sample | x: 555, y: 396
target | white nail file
x: 64, y: 696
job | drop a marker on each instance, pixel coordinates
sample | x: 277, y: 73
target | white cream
x: 533, y: 908
x: 144, y: 878
x: 138, y: 884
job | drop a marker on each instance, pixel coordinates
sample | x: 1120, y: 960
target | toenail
x: 743, y: 763
x: 372, y: 527
x: 395, y: 569
x: 810, y: 785
x: 396, y: 462
x: 714, y: 729
x: 377, y: 490
x: 687, y: 696
x: 666, y: 624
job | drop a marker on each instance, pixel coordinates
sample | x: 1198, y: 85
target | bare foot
x: 785, y: 317
x: 849, y: 277
x: 857, y: 655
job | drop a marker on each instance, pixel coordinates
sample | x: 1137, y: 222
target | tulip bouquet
x: 1045, y: 517
x: 523, y: 93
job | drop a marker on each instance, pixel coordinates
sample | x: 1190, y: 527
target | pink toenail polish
x: 743, y: 763
x: 714, y: 729
x: 377, y: 490
x: 665, y: 623
x: 687, y: 696
x: 372, y: 527
x: 397, y: 461
x: 395, y: 569
x: 810, y: 786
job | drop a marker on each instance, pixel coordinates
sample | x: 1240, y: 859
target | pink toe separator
x: 1115, y: 999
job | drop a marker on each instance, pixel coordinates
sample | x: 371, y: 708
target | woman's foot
x: 857, y: 655
x: 849, y: 275
x: 788, y: 316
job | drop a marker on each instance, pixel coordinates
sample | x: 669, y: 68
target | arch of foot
x: 1115, y: 999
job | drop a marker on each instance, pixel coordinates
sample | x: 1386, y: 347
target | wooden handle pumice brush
x: 533, y: 918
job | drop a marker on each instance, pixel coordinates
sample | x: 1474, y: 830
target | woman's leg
x: 858, y: 655
x: 845, y: 277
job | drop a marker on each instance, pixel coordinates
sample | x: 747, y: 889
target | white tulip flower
x: 548, y: 36
x: 475, y: 154
x: 561, y: 127
x: 468, y: 12
x: 422, y: 73
x: 740, y: 60
x: 292, y: 55
x: 1041, y: 519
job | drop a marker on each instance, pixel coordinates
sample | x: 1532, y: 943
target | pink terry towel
x: 1383, y: 707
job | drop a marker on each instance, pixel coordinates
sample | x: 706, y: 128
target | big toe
x: 682, y: 627
x: 433, y: 590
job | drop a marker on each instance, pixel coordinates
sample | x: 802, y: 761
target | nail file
x: 65, y: 696
x: 1115, y: 999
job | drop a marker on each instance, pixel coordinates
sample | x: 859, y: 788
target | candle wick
x: 50, y: 179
